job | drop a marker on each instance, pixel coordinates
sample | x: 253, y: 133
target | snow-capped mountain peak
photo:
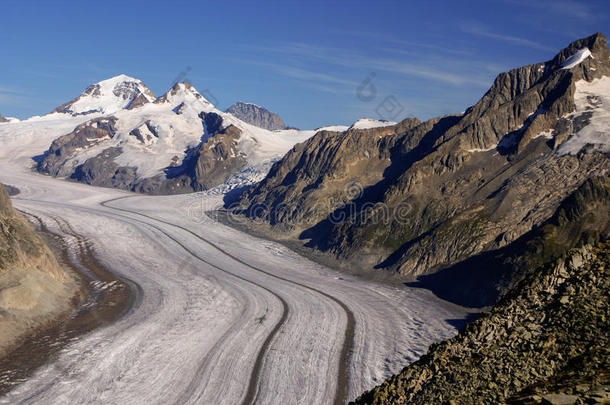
x: 109, y: 96
x: 183, y: 92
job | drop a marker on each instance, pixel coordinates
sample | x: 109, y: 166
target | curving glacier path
x: 221, y: 317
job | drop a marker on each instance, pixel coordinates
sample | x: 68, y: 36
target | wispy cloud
x: 10, y: 94
x: 427, y: 72
x: 412, y: 46
x: 427, y: 69
x: 304, y: 75
x: 570, y: 8
x: 481, y: 30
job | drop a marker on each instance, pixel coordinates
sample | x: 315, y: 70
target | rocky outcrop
x: 101, y: 170
x: 2, y: 119
x: 256, y: 115
x: 415, y: 198
x: 216, y: 159
x: 86, y: 135
x: 34, y: 288
x: 147, y: 133
x: 208, y: 164
x: 581, y: 219
x: 545, y: 342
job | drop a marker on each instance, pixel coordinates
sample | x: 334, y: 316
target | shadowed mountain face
x: 256, y: 115
x: 418, y: 197
x: 582, y: 219
x: 2, y: 119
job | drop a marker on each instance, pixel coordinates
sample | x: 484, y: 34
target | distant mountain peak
x: 256, y: 115
x: 109, y: 96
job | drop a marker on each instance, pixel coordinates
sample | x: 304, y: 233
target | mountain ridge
x: 450, y: 187
x: 165, y: 145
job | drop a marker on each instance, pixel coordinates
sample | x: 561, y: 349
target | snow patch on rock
x: 576, y: 59
x: 591, y: 97
x: 366, y: 123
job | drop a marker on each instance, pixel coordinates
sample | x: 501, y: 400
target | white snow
x: 199, y: 325
x: 183, y: 93
x: 483, y: 150
x: 177, y: 132
x: 114, y: 94
x: 366, y: 123
x: 576, y: 59
x: 10, y: 120
x: 333, y: 128
x: 594, y: 97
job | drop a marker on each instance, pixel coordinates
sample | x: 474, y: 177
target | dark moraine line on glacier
x: 342, y: 380
x: 252, y: 387
x: 89, y: 267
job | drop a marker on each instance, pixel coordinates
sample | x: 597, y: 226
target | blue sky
x: 315, y: 63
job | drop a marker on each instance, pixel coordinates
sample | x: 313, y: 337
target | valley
x: 221, y: 317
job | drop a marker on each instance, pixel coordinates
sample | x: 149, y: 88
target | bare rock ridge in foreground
x: 34, y: 288
x: 256, y: 115
x: 419, y: 197
x: 546, y: 341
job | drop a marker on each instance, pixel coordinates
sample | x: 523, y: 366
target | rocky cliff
x: 418, y: 197
x: 256, y: 115
x: 34, y: 288
x: 2, y: 119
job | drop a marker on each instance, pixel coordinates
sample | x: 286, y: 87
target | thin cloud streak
x: 482, y: 31
x: 559, y: 7
x: 301, y: 74
x: 427, y: 73
x: 458, y: 50
x: 351, y: 60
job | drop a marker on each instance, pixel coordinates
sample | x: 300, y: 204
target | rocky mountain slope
x: 34, y: 288
x: 126, y: 138
x: 417, y: 197
x: 256, y: 115
x: 2, y: 119
x: 546, y: 341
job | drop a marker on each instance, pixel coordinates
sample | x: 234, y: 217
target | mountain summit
x: 121, y: 136
x: 109, y: 96
x: 256, y: 115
